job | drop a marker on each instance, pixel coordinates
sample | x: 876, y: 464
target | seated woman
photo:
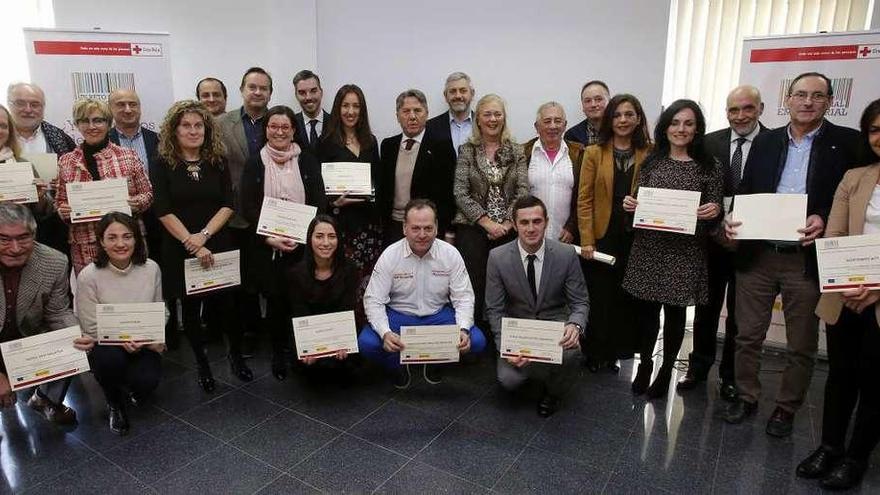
x: 121, y: 273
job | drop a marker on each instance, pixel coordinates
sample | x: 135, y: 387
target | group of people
x: 465, y: 227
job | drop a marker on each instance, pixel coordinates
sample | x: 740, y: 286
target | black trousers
x: 721, y: 276
x: 222, y: 306
x: 853, y: 376
x: 648, y: 321
x: 117, y: 371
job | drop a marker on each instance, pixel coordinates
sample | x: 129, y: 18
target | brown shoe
x: 55, y: 413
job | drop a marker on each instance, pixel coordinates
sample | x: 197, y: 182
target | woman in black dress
x: 667, y: 270
x: 193, y: 200
x: 281, y: 170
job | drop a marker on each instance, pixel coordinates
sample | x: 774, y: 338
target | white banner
x: 851, y: 60
x: 69, y: 65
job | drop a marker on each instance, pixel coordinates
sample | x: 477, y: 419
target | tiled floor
x: 463, y: 436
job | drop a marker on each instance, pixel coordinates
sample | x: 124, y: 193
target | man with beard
x: 310, y: 122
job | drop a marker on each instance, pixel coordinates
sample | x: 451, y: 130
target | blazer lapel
x: 858, y: 202
x: 423, y: 160
x: 516, y: 261
x: 606, y: 170
x: 546, y: 268
x: 240, y: 138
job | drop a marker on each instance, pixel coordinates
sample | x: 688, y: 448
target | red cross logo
x: 865, y: 51
x: 137, y: 49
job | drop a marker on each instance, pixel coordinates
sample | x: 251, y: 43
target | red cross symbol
x: 137, y: 49
x: 865, y: 51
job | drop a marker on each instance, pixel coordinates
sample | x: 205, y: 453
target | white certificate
x: 846, y: 263
x: 43, y: 358
x: 17, y: 183
x: 346, y: 177
x: 46, y: 164
x: 324, y: 335
x: 91, y: 200
x: 134, y: 323
x: 226, y: 272
x: 669, y: 210
x: 279, y: 218
x: 430, y: 344
x: 537, y: 340
x: 769, y: 217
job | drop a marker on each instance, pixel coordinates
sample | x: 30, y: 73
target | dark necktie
x: 736, y: 161
x: 409, y: 144
x: 313, y: 133
x: 530, y: 274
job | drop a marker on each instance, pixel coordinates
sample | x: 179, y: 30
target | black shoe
x: 740, y: 410
x: 432, y: 374
x: 240, y: 368
x: 612, y: 367
x: 402, y: 377
x: 118, y: 419
x: 591, y: 364
x: 643, y: 377
x: 279, y: 366
x: 134, y: 399
x: 547, y: 406
x: 248, y: 345
x: 660, y: 386
x: 728, y: 390
x: 781, y: 423
x: 206, y: 378
x: 689, y: 381
x: 848, y: 474
x: 818, y: 464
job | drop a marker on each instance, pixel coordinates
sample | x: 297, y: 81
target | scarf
x: 282, y: 176
x: 89, y: 152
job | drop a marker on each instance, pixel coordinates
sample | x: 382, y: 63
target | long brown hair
x: 334, y: 131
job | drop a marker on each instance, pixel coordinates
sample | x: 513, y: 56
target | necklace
x: 193, y: 168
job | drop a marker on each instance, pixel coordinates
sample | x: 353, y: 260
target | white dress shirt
x: 872, y: 213
x: 34, y: 144
x: 419, y: 286
x: 552, y: 182
x: 539, y: 263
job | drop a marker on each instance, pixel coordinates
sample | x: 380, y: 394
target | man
x: 731, y: 148
x: 807, y: 156
x: 412, y: 168
x: 535, y: 278
x: 455, y: 126
x: 34, y: 299
x: 212, y: 93
x: 594, y: 99
x: 554, y: 170
x: 310, y: 121
x: 418, y: 280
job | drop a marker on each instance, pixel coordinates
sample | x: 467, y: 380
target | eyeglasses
x: 22, y: 104
x: 96, y: 121
x: 22, y: 240
x: 804, y: 96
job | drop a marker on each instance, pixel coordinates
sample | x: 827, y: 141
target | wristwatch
x: 578, y: 326
x: 205, y: 233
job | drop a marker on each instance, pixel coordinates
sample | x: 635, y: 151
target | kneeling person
x: 418, y: 280
x: 539, y: 279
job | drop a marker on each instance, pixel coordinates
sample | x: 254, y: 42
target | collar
x: 245, y: 115
x: 136, y: 135
x: 749, y: 137
x: 452, y: 120
x: 808, y: 137
x: 563, y: 147
x: 539, y: 254
x: 407, y: 251
x: 319, y: 118
x: 417, y: 138
x: 37, y: 133
x: 121, y: 271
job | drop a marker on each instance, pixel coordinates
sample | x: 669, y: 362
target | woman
x: 324, y: 281
x: 852, y: 332
x: 668, y: 270
x: 282, y: 171
x: 491, y: 173
x: 9, y: 149
x: 121, y: 273
x: 608, y: 174
x: 97, y: 159
x: 347, y: 138
x: 194, y: 203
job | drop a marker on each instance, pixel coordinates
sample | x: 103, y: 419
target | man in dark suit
x: 594, y: 99
x: 535, y: 278
x: 730, y: 146
x: 308, y: 92
x: 454, y: 127
x: 807, y: 156
x: 413, y: 167
x: 211, y: 92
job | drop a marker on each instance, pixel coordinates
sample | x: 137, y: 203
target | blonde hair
x: 476, y: 136
x: 11, y: 140
x: 212, y: 150
x: 82, y: 108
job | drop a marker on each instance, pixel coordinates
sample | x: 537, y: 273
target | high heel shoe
x: 643, y: 377
x: 206, y: 378
x: 240, y: 369
x: 660, y: 386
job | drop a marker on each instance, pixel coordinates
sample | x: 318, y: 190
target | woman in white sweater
x: 121, y: 273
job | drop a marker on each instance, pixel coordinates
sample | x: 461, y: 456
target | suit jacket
x: 432, y: 177
x: 471, y: 187
x: 43, y: 303
x: 848, y: 218
x: 834, y: 151
x: 237, y: 154
x: 302, y: 132
x: 57, y: 140
x: 580, y: 134
x: 438, y: 126
x: 562, y: 292
x: 575, y: 154
x: 596, y: 190
x: 718, y: 145
x: 151, y: 144
x: 151, y: 223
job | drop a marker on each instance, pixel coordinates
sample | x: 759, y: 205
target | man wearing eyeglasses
x: 594, y: 98
x: 807, y: 156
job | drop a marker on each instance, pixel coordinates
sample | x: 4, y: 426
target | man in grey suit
x: 34, y: 287
x: 539, y: 279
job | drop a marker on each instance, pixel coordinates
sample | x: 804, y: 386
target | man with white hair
x: 27, y: 102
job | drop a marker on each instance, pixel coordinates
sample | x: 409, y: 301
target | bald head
x: 26, y: 103
x: 744, y: 108
x: 125, y: 105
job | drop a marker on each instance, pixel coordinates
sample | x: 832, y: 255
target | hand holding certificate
x: 132, y: 323
x: 430, y: 344
x: 350, y: 178
x: 279, y: 218
x: 847, y: 263
x: 668, y: 210
x: 43, y: 358
x: 17, y: 183
x: 319, y: 336
x: 535, y: 340
x: 769, y: 217
x: 91, y: 200
x: 226, y: 272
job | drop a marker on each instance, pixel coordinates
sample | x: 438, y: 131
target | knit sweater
x: 110, y: 285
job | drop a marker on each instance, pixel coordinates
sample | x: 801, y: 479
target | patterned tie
x: 736, y: 161
x: 530, y: 274
x: 409, y: 144
x: 313, y: 133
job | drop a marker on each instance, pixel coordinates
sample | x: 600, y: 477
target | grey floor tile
x: 183, y: 393
x: 259, y: 364
x: 340, y: 407
x: 472, y: 454
x: 95, y: 476
x: 450, y: 398
x: 745, y: 479
x: 231, y: 414
x: 94, y: 429
x: 285, y: 439
x: 655, y: 461
x: 539, y: 471
x: 286, y: 393
x: 510, y: 414
x: 226, y: 470
x: 418, y: 477
x: 401, y: 428
x: 743, y: 446
x: 582, y: 439
x: 617, y: 407
x: 688, y: 421
x: 349, y: 465
x: 288, y: 485
x: 624, y: 485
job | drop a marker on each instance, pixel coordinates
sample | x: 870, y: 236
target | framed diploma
x: 430, y: 344
x: 324, y: 335
x: 43, y: 358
